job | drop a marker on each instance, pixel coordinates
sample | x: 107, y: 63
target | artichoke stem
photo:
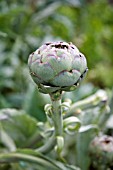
x: 57, y: 120
x: 57, y: 114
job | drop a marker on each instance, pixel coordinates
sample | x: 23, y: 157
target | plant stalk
x: 58, y: 123
x: 57, y: 115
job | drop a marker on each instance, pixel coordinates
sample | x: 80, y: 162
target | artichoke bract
x: 101, y: 153
x: 57, y: 65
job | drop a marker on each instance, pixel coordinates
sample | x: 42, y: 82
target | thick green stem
x: 57, y: 115
x: 58, y: 123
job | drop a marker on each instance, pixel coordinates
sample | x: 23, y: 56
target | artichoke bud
x: 101, y: 153
x: 57, y: 66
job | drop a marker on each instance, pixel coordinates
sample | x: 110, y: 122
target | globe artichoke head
x: 57, y: 66
x: 101, y: 152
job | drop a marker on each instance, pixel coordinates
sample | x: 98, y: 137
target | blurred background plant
x: 24, y: 26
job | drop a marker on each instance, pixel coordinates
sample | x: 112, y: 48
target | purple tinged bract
x: 57, y: 64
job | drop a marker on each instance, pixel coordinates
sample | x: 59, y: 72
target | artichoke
x: 101, y: 153
x: 57, y: 66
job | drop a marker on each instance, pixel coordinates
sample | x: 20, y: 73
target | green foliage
x: 24, y: 26
x: 19, y: 130
x: 18, y: 125
x: 35, y: 102
x: 82, y: 146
